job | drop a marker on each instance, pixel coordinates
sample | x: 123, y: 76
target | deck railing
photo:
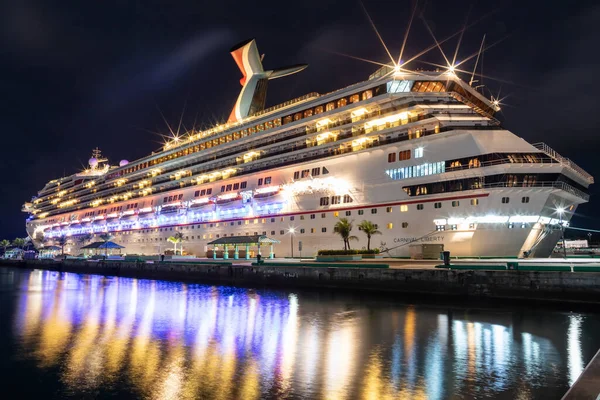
x: 564, y: 161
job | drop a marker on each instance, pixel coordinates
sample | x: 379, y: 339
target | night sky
x: 79, y: 74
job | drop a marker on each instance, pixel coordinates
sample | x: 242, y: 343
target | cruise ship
x: 420, y: 154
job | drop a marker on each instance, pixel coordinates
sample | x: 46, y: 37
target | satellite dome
x: 93, y: 162
x: 123, y: 163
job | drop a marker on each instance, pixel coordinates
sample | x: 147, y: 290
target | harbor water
x: 65, y: 335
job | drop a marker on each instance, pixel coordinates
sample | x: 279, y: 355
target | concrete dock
x: 403, y: 276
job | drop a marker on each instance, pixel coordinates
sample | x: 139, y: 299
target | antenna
x: 477, y: 61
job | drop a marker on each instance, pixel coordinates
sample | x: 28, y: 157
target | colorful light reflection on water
x: 96, y: 336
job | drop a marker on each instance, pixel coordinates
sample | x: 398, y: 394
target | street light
x: 291, y: 231
x: 561, y: 211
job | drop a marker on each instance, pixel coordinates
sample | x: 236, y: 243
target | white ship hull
x: 371, y: 189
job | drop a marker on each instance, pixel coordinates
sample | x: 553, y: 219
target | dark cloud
x: 137, y: 78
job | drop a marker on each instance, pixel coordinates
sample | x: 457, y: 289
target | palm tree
x: 106, y: 237
x: 19, y: 242
x: 4, y: 244
x: 343, y: 228
x: 62, y: 241
x: 368, y: 229
x: 177, y: 238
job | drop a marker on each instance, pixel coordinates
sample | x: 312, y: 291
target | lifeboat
x: 228, y: 198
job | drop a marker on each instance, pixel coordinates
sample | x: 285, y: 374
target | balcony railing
x: 564, y: 161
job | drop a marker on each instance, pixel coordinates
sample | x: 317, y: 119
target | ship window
x: 335, y: 199
x: 505, y: 200
x: 453, y: 227
x: 373, y: 211
x: 330, y: 106
x: 324, y: 201
x: 404, y: 155
x: 236, y: 186
x: 267, y: 180
x: 228, y: 188
x: 316, y: 171
x: 529, y: 180
x: 323, y: 230
x: 403, y: 208
x: 390, y: 225
x: 405, y: 224
x: 440, y: 227
x: 260, y: 181
x: 361, y: 212
x: 302, y: 230
x: 222, y: 188
x: 347, y: 198
x: 312, y: 216
x: 325, y: 171
x: 455, y: 203
x: 318, y: 109
x: 418, y: 152
x: 367, y: 94
x: 391, y: 157
x: 419, y: 206
x: 455, y: 164
x: 437, y: 205
x: 323, y: 215
x: 525, y: 200
x: 474, y: 202
x: 296, y: 174
x: 297, y: 116
x: 308, y: 113
x: 287, y: 119
x: 388, y: 209
x: 510, y: 225
x: 354, y: 98
x: 348, y: 213
x: 474, y: 163
x: 305, y: 173
x: 209, y: 191
x: 336, y: 214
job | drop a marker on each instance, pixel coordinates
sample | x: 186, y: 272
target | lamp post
x: 561, y: 211
x: 291, y: 231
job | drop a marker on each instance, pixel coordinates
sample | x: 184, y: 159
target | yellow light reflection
x: 340, y: 360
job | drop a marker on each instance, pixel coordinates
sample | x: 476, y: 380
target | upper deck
x: 362, y: 103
